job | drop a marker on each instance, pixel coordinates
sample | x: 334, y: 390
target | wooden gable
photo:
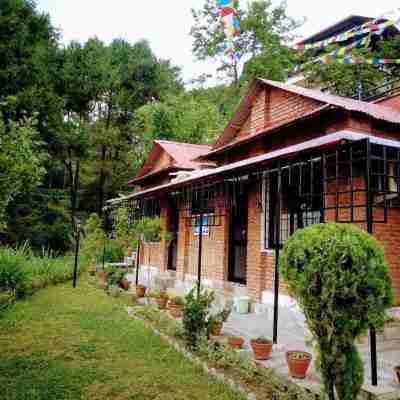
x: 266, y: 106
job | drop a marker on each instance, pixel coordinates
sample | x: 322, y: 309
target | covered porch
x: 344, y: 177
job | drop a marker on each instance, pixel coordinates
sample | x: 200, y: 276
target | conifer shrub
x: 340, y: 278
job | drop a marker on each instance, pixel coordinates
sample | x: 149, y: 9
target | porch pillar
x: 370, y: 228
x: 277, y: 252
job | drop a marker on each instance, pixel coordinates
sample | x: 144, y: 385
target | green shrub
x: 12, y: 273
x: 196, y: 315
x: 113, y: 252
x: 339, y: 276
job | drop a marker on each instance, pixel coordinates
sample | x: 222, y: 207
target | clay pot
x: 262, y: 351
x: 102, y: 276
x: 217, y: 329
x: 235, y: 342
x: 125, y: 284
x: 161, y: 303
x: 175, y: 310
x: 397, y: 372
x: 298, y: 363
x: 140, y: 291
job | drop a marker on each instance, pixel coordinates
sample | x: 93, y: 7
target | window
x: 301, y: 201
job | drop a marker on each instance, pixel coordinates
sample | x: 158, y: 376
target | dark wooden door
x: 173, y: 246
x: 238, y: 239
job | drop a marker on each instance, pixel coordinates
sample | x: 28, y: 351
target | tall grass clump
x: 23, y: 272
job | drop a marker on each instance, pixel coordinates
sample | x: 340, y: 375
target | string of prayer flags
x: 367, y: 28
x: 231, y: 23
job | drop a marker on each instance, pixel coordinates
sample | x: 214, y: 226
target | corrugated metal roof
x: 184, y: 153
x: 253, y: 162
x: 373, y: 110
x: 181, y: 154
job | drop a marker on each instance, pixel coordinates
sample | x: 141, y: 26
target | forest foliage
x: 90, y: 111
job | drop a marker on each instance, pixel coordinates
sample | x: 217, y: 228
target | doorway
x: 237, y: 265
x: 173, y: 246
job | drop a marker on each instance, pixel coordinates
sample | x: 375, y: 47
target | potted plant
x: 175, y: 306
x: 140, y: 291
x: 124, y: 284
x: 397, y: 372
x: 236, y: 342
x: 262, y: 348
x: 298, y: 363
x: 161, y: 299
x: 217, y: 321
x: 102, y: 276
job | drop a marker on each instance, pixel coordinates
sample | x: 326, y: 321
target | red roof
x: 373, y: 110
x: 253, y: 163
x: 181, y: 158
x: 184, y: 153
x: 227, y: 139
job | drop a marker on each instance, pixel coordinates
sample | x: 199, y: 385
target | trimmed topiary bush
x: 340, y: 278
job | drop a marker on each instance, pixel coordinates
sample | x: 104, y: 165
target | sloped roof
x: 373, y: 110
x: 181, y: 158
x: 339, y: 27
x: 244, y: 166
x: 326, y: 100
x: 184, y: 153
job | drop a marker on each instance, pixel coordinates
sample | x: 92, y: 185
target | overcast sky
x: 166, y: 24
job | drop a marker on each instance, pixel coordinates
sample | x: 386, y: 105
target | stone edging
x: 220, y: 376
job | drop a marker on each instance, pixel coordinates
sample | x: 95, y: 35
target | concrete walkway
x: 293, y: 335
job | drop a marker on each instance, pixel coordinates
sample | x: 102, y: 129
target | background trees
x: 266, y: 32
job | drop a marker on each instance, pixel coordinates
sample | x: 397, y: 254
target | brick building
x: 288, y: 158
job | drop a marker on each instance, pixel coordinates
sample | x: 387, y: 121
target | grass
x: 79, y: 344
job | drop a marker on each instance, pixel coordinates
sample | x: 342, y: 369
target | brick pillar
x: 164, y: 217
x: 183, y: 245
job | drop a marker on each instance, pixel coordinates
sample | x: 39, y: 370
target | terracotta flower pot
x: 140, y: 291
x: 397, y: 372
x: 161, y: 303
x: 125, y: 284
x: 217, y: 329
x: 235, y: 342
x: 298, y: 363
x: 102, y: 276
x: 175, y: 310
x: 262, y: 351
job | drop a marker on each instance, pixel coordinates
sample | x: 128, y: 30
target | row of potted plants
x: 298, y: 361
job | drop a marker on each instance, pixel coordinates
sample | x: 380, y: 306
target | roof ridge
x: 332, y: 99
x: 181, y: 143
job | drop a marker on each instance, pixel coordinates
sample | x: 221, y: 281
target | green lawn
x: 79, y: 344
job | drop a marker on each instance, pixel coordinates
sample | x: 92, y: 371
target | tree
x: 339, y: 275
x: 263, y: 43
x: 347, y: 80
x: 189, y: 117
x: 21, y: 161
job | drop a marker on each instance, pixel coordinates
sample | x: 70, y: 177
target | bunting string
x: 367, y: 28
x: 231, y: 23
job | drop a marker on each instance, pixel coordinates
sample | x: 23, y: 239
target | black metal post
x: 372, y: 331
x: 200, y: 254
x: 77, y: 240
x: 277, y: 251
x: 76, y: 224
x: 137, y: 263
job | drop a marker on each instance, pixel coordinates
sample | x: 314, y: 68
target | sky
x: 166, y: 24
